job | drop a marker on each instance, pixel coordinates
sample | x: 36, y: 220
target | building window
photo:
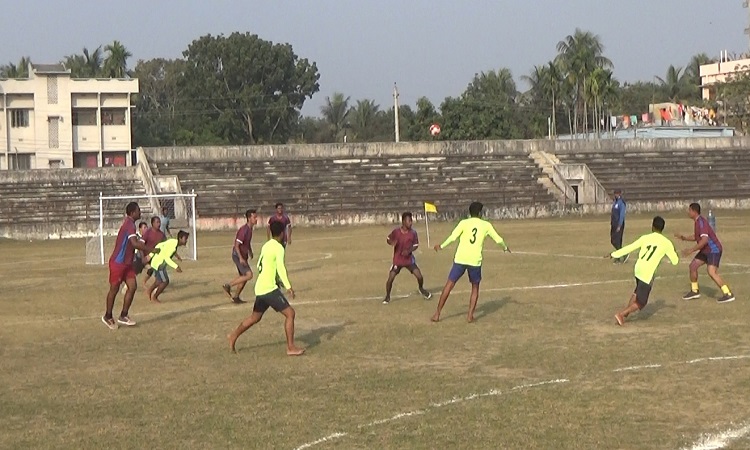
x: 19, y: 161
x: 113, y: 116
x: 19, y: 118
x: 54, y: 132
x: 84, y: 117
x: 56, y: 164
x: 52, y: 90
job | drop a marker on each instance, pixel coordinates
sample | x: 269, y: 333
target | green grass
x: 171, y: 382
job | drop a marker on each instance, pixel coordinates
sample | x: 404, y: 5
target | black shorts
x: 242, y: 270
x: 642, y: 291
x: 397, y: 269
x: 711, y: 259
x: 138, y: 264
x: 274, y: 299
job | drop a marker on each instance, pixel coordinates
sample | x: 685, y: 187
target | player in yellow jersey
x: 652, y: 248
x: 268, y: 294
x: 470, y: 233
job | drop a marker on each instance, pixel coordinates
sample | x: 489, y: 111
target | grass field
x: 544, y: 366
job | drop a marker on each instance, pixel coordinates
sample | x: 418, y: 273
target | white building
x: 720, y: 72
x: 51, y: 120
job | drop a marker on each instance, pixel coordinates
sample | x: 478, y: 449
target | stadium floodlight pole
x: 395, y: 111
x: 101, y: 225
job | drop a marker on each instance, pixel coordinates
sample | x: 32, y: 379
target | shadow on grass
x: 484, y: 309
x: 312, y: 338
x: 651, y: 309
x: 175, y: 314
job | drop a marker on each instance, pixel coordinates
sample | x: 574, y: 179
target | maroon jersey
x: 124, y: 252
x: 403, y: 245
x: 703, y: 229
x: 243, y: 237
x: 153, y: 236
x: 284, y: 219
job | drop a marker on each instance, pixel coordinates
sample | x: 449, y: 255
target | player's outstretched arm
x: 626, y: 250
x: 702, y: 243
x: 673, y: 257
x: 452, y: 238
x: 498, y: 240
x: 140, y: 245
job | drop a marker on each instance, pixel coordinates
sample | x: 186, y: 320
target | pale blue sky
x: 431, y: 48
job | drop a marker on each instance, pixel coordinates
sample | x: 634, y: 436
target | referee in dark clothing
x: 617, y: 224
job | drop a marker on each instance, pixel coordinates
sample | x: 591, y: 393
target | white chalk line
x: 567, y: 255
x: 719, y: 440
x: 432, y: 406
x: 725, y: 437
x: 358, y: 299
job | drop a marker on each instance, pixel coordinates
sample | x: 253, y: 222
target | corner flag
x: 428, y: 208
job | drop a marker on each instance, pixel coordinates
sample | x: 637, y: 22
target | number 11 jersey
x: 653, y: 247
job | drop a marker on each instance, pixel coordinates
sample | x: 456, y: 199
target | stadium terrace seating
x: 668, y: 175
x: 48, y: 197
x: 368, y: 185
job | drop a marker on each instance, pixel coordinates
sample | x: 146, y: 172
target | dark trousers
x: 616, y: 236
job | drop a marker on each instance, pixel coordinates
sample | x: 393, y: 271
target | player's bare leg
x: 111, y: 296
x: 291, y: 349
x: 156, y: 291
x: 631, y: 308
x: 473, y: 302
x: 449, y: 285
x: 420, y: 281
x: 389, y: 285
x: 129, y: 295
x: 714, y: 274
x: 249, y: 321
x: 238, y: 283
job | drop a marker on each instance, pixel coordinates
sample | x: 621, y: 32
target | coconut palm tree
x: 363, y: 116
x: 116, y: 63
x: 546, y: 85
x: 579, y: 54
x: 335, y: 113
x: 673, y: 84
x: 11, y: 70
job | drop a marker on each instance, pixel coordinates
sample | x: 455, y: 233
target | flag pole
x: 427, y: 225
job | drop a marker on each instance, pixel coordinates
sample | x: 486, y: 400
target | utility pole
x: 395, y: 111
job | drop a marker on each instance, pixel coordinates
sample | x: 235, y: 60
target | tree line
x: 241, y: 89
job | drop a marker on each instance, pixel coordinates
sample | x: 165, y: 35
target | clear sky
x: 431, y: 48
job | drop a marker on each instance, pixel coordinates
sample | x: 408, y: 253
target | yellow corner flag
x: 429, y: 207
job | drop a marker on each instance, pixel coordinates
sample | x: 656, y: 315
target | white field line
x: 709, y: 442
x: 719, y: 440
x: 432, y: 406
x: 322, y: 440
x: 647, y: 366
x: 355, y: 299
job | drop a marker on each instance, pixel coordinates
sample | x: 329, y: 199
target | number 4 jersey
x: 653, y: 247
x: 470, y: 234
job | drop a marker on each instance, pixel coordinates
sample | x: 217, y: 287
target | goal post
x: 180, y: 210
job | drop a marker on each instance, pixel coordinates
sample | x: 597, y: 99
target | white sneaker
x: 110, y: 323
x: 127, y: 321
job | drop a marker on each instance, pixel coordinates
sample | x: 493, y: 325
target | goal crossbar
x: 187, y: 212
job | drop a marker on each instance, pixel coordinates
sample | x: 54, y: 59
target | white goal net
x: 180, y: 209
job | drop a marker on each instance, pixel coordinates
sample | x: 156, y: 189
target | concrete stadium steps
x: 670, y: 175
x: 66, y: 196
x: 353, y: 185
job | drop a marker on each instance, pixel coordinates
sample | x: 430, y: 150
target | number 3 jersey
x: 653, y: 247
x: 470, y: 234
x: 270, y: 265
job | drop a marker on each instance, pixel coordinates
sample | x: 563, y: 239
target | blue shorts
x: 161, y: 274
x: 457, y: 271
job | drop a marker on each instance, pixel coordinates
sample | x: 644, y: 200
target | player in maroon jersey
x: 404, y: 241
x: 242, y: 253
x: 121, y: 268
x: 281, y: 216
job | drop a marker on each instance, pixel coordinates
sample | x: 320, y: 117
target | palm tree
x: 601, y: 88
x: 335, y: 113
x: 579, y: 54
x: 92, y: 62
x: 363, y: 117
x: 11, y: 70
x: 673, y: 84
x: 546, y: 83
x: 116, y: 63
x: 692, y: 75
